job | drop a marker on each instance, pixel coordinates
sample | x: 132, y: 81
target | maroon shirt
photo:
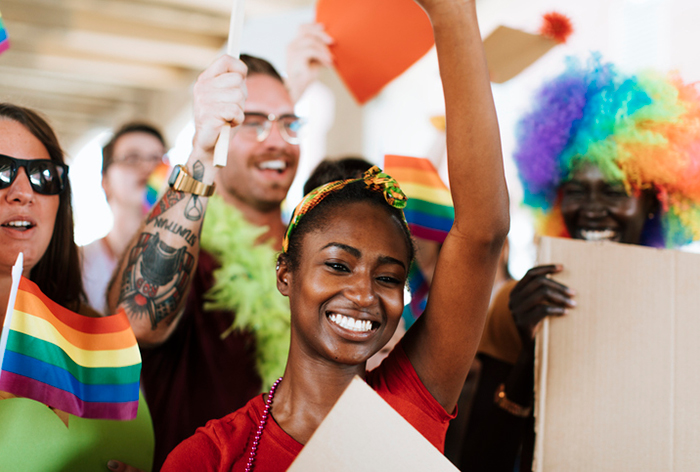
x: 196, y: 376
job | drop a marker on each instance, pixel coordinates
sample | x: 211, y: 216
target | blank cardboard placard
x: 510, y: 51
x: 363, y: 433
x: 374, y: 41
x: 617, y: 377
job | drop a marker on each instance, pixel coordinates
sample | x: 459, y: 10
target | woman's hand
x: 537, y: 296
x: 306, y: 54
x: 219, y: 98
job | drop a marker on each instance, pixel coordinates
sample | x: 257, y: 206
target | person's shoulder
x: 395, y: 369
x: 235, y: 425
x: 218, y: 444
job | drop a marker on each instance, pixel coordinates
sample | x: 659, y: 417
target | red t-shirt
x: 224, y: 445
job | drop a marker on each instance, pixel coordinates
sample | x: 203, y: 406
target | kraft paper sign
x: 363, y: 433
x: 617, y: 378
x: 510, y: 51
x: 375, y: 41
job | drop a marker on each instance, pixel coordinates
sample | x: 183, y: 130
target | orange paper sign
x: 375, y: 41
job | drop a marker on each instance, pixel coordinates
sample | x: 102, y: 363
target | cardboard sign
x: 510, y: 51
x: 617, y: 379
x: 363, y: 433
x: 375, y: 41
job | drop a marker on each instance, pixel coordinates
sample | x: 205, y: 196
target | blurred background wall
x: 90, y: 65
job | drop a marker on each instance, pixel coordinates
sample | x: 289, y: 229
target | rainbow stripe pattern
x: 156, y: 185
x: 88, y: 367
x: 429, y: 211
x: 4, y: 40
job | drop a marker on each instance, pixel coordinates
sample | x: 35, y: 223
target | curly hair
x: 642, y: 130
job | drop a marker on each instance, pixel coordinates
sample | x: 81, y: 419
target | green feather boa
x: 246, y: 285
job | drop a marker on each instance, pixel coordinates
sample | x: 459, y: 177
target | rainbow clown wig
x: 642, y: 130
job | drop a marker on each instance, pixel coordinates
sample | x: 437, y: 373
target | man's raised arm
x: 153, y: 278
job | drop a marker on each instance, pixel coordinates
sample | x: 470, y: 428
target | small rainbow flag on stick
x: 429, y: 212
x: 156, y: 185
x: 4, y: 41
x: 85, y: 366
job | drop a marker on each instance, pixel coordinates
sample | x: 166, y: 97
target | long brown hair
x: 58, y: 271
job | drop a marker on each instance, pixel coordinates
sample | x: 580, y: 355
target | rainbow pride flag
x: 429, y: 211
x: 419, y: 289
x: 88, y: 367
x: 156, y: 185
x: 4, y: 40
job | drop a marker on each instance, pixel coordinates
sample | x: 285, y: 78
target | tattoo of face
x: 155, y: 279
x: 168, y: 200
x: 194, y: 209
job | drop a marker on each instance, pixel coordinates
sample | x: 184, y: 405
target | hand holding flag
x: 88, y: 367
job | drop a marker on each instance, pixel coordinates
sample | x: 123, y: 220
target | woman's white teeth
x: 593, y: 235
x: 277, y: 164
x: 19, y: 224
x: 352, y: 324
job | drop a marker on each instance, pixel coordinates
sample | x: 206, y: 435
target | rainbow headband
x: 375, y: 179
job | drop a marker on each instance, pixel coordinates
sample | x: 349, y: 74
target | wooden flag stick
x: 5, y: 328
x: 232, y: 49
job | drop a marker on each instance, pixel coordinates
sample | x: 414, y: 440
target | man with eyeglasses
x: 195, y: 368
x: 128, y: 159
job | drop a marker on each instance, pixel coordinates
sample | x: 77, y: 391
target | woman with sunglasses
x: 346, y: 257
x: 36, y: 219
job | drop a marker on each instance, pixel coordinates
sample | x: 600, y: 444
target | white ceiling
x: 97, y: 63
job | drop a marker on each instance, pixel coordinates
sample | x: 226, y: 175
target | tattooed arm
x: 154, y: 275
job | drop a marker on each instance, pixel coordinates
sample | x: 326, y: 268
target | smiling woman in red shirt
x: 344, y: 267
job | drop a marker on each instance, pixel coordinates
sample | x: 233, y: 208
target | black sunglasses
x: 46, y: 177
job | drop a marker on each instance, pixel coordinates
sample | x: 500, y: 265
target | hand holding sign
x: 219, y: 97
x: 233, y: 49
x: 306, y: 54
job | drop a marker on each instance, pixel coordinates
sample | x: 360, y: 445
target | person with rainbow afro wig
x: 641, y: 130
x: 602, y: 156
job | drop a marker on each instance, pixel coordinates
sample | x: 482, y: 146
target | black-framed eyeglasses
x: 259, y: 125
x: 46, y: 177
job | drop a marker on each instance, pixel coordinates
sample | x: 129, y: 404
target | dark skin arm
x: 533, y: 298
x: 442, y: 344
x: 492, y: 443
x: 493, y: 436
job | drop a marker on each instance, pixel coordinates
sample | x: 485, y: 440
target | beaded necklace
x: 261, y: 427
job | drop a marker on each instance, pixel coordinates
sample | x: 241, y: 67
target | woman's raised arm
x: 442, y: 344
